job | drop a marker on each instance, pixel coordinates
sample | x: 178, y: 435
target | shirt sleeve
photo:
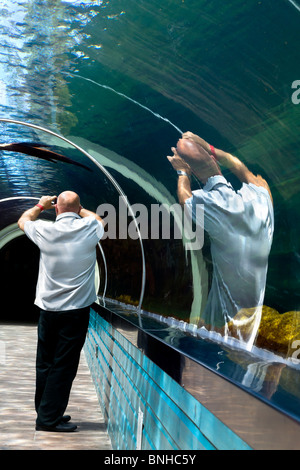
x: 30, y: 230
x: 195, y: 207
x: 99, y: 229
x: 94, y: 224
x: 258, y: 189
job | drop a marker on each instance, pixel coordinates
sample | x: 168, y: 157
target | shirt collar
x: 213, y: 180
x: 68, y: 214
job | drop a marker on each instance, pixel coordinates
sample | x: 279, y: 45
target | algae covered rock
x: 277, y: 332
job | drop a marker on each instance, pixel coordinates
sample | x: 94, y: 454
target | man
x: 240, y: 226
x: 65, y: 290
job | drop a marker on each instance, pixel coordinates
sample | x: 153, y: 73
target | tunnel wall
x: 122, y: 79
x: 116, y: 93
x: 128, y: 382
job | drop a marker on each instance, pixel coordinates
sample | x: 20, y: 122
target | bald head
x: 68, y: 201
x: 202, y: 164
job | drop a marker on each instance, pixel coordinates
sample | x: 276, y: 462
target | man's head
x: 68, y: 201
x: 202, y: 164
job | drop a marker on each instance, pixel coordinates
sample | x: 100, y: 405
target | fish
x: 39, y: 150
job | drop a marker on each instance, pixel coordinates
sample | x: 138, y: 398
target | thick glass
x: 122, y: 81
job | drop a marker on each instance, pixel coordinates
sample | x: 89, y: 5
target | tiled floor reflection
x: 17, y: 414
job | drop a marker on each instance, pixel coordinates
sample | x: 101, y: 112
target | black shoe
x: 66, y: 418
x: 61, y: 427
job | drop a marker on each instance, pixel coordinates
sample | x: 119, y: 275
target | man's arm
x: 86, y: 213
x: 184, y: 186
x: 240, y: 170
x: 230, y: 162
x: 32, y: 214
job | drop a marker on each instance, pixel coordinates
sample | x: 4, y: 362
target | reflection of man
x: 65, y: 291
x: 239, y: 224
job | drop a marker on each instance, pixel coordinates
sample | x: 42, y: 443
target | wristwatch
x: 180, y: 172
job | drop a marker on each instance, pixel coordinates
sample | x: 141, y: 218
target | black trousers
x: 61, y: 336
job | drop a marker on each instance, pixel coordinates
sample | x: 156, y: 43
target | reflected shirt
x: 66, y: 279
x: 240, y: 226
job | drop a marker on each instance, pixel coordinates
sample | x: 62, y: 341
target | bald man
x: 64, y: 293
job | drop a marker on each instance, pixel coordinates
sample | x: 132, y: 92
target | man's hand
x: 46, y: 202
x: 222, y: 157
x: 230, y: 162
x: 33, y: 213
x: 86, y: 213
x: 178, y: 163
x: 198, y: 140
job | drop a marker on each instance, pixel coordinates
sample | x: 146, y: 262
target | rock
x: 278, y: 332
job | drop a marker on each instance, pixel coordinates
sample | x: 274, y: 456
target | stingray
x: 38, y: 150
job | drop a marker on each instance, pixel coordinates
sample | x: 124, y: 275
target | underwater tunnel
x: 109, y: 87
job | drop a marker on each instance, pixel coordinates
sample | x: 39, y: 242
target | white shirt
x: 240, y: 225
x: 66, y: 279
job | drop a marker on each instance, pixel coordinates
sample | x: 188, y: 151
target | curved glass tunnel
x: 121, y: 80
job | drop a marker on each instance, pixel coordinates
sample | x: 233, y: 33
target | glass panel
x: 122, y: 80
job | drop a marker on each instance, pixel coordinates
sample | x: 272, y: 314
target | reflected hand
x: 178, y: 163
x: 222, y: 157
x: 198, y: 140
